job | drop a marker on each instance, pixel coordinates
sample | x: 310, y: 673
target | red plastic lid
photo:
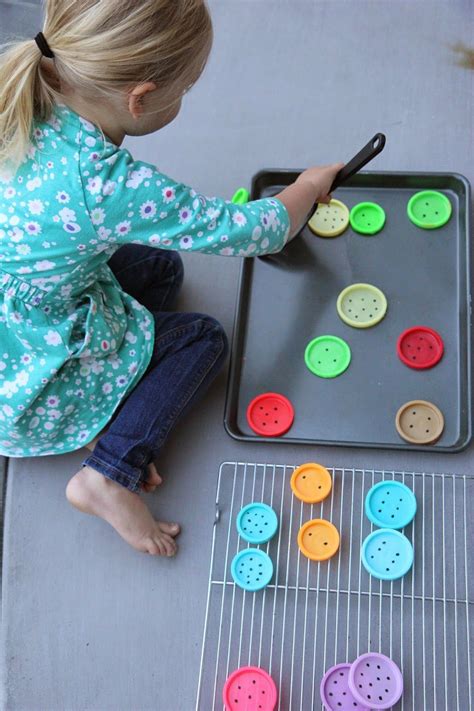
x: 270, y: 414
x: 250, y: 689
x: 420, y: 347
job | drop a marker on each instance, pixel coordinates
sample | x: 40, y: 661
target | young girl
x: 90, y: 353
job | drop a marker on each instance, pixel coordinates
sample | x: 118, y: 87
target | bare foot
x: 91, y: 492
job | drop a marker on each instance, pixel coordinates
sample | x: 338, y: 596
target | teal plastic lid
x: 252, y: 569
x: 327, y: 356
x: 257, y: 523
x: 390, y: 504
x: 387, y: 554
x: 429, y: 209
x: 368, y: 218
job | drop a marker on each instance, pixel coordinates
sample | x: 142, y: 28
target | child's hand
x: 313, y: 185
x: 320, y: 179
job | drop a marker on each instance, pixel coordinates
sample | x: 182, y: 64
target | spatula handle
x: 369, y: 151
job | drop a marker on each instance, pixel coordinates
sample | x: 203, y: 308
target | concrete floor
x: 88, y: 624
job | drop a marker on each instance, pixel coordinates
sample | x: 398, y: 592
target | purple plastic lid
x: 335, y: 692
x: 375, y: 680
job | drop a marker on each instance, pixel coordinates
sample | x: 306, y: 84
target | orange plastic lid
x: 311, y: 483
x: 318, y: 539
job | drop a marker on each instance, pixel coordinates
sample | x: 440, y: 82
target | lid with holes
x: 335, y: 692
x: 252, y: 569
x: 318, y: 539
x: 375, y: 679
x: 368, y: 218
x: 257, y: 523
x: 250, y: 689
x: 420, y: 347
x: 270, y: 414
x: 240, y: 197
x: 419, y: 422
x: 311, y: 483
x: 387, y: 554
x: 327, y: 356
x: 390, y: 504
x: 329, y: 220
x: 361, y: 305
x: 429, y: 209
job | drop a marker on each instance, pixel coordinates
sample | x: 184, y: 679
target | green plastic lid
x: 361, y: 305
x: 240, y: 197
x: 368, y: 218
x: 327, y: 356
x: 429, y: 209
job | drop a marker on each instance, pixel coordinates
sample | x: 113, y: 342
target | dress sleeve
x: 132, y: 202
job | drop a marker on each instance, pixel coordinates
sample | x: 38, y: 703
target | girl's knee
x: 216, y: 331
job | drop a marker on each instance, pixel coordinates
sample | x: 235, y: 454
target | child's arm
x: 134, y: 203
x: 311, y: 186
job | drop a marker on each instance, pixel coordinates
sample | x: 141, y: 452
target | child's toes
x: 171, y: 529
x: 154, y: 546
x: 168, y: 543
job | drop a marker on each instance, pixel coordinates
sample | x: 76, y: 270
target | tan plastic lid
x: 419, y: 422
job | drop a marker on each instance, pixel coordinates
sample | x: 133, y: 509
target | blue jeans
x: 189, y: 351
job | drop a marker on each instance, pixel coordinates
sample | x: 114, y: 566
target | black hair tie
x: 44, y: 47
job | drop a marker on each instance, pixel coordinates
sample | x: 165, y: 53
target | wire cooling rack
x: 314, y: 615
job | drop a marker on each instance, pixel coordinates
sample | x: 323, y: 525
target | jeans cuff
x: 129, y: 479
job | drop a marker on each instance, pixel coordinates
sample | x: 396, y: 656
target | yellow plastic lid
x: 330, y: 220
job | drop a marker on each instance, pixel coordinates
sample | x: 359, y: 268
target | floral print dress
x: 73, y: 344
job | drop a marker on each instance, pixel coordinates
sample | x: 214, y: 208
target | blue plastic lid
x: 252, y: 569
x: 387, y: 554
x: 257, y: 523
x: 390, y: 504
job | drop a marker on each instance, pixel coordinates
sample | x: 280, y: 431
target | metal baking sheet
x: 284, y: 303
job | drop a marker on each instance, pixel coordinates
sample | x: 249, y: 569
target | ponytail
x: 24, y: 94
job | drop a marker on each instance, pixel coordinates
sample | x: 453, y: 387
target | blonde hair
x: 99, y: 46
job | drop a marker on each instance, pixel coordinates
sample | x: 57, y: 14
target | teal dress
x: 73, y: 344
